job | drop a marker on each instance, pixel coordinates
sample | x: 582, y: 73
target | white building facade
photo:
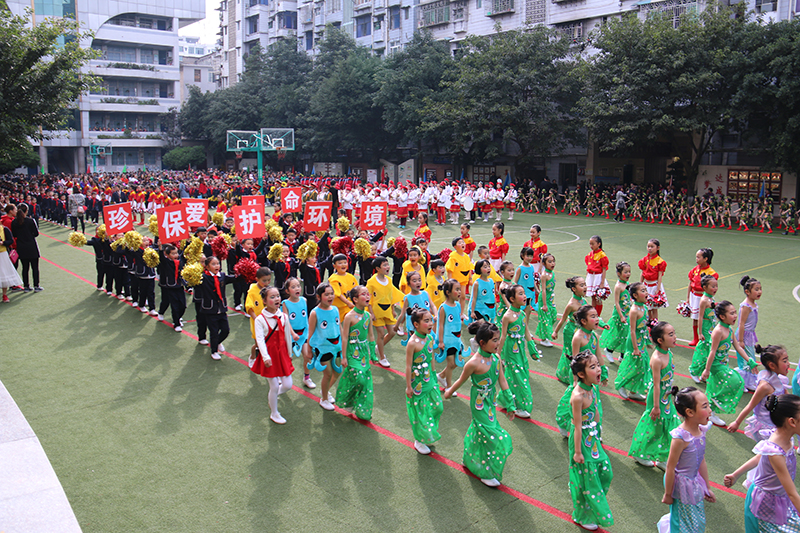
x: 139, y: 50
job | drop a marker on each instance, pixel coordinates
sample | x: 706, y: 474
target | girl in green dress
x: 578, y: 287
x: 652, y: 438
x: 515, y: 339
x: 726, y: 385
x: 590, y: 471
x: 486, y: 444
x: 423, y: 399
x: 634, y: 377
x: 547, y: 300
x: 355, y: 385
x: 706, y: 311
x: 617, y: 334
x: 506, y: 272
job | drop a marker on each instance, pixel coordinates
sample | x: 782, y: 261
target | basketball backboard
x: 277, y: 138
x: 243, y: 141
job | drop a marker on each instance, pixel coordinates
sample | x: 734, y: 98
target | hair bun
x: 771, y: 403
x: 409, y: 310
x: 759, y: 349
x: 744, y: 280
x: 674, y: 391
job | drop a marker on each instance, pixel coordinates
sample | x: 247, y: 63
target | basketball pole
x: 260, y: 175
x: 94, y: 163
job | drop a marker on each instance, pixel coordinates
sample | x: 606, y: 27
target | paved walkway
x: 31, y: 497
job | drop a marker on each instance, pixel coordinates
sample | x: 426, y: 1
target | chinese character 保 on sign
x: 172, y: 224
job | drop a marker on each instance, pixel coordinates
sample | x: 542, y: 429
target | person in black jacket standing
x: 211, y: 296
x: 169, y: 279
x: 25, y: 232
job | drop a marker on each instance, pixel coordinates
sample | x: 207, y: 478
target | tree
x: 24, y: 156
x: 411, y: 77
x: 194, y: 114
x: 286, y: 92
x: 652, y: 83
x: 511, y: 91
x: 172, y: 128
x: 42, y: 77
x: 181, y: 158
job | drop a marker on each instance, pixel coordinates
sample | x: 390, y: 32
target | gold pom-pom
x: 218, y: 219
x: 276, y: 234
x: 275, y: 252
x: 77, y: 239
x: 101, y: 231
x: 152, y: 225
x: 306, y: 250
x: 116, y: 244
x: 362, y: 248
x: 390, y: 242
x: 193, y: 274
x: 343, y: 224
x: 320, y: 234
x: 228, y: 239
x: 193, y: 251
x: 133, y: 240
x: 270, y: 223
x: 151, y: 258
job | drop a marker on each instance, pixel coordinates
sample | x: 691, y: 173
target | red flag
x: 291, y: 200
x: 172, y: 224
x: 118, y: 218
x: 373, y: 216
x: 318, y: 216
x: 196, y: 210
x: 249, y: 222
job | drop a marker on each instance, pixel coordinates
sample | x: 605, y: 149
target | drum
x: 468, y: 203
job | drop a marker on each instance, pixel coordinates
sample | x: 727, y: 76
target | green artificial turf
x: 147, y: 433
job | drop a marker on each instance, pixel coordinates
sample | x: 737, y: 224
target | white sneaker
x: 490, y: 482
x: 588, y: 527
x: 277, y: 418
x: 144, y: 310
x: 623, y: 393
x: 610, y: 356
x: 160, y: 318
x: 153, y: 312
x: 100, y: 289
x: 546, y: 343
x: 636, y: 396
x: 110, y: 293
x: 384, y: 363
x: 442, y: 382
x: 645, y: 462
x: 331, y: 398
x: 135, y: 305
x: 129, y: 298
x: 215, y: 356
x: 178, y: 329
x: 522, y: 414
x: 563, y: 432
x: 204, y: 342
x: 221, y: 347
x: 716, y: 420
x: 121, y: 297
x: 308, y: 383
x: 325, y: 404
x: 421, y: 448
x: 239, y: 308
x: 661, y: 465
x: 696, y: 379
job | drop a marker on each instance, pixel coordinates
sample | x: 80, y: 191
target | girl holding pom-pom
x: 653, y: 268
x: 211, y: 297
x: 486, y: 444
x: 634, y: 377
x: 596, y: 268
x: 423, y: 399
x: 686, y: 482
x: 272, y: 359
x: 706, y: 310
x: 355, y: 387
x: 617, y: 334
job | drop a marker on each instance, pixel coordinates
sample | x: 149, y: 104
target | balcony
x: 499, y: 7
x: 142, y: 71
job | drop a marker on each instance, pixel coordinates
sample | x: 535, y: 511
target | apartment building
x: 139, y: 47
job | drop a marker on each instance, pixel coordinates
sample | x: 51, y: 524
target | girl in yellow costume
x: 383, y: 296
x: 412, y: 264
x: 459, y: 267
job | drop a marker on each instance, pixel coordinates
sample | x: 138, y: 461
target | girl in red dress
x: 653, y: 268
x: 273, y: 337
x: 596, y: 268
x: 423, y: 230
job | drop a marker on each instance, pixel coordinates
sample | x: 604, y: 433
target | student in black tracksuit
x: 169, y: 279
x: 97, y: 244
x: 132, y: 285
x: 108, y: 266
x: 146, y: 279
x: 120, y: 268
x: 244, y: 250
x: 211, y: 295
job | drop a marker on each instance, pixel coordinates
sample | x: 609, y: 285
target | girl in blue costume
x: 415, y: 299
x: 297, y: 310
x: 423, y: 398
x: 451, y: 348
x: 482, y: 300
x: 486, y: 444
x: 526, y: 276
x: 326, y: 343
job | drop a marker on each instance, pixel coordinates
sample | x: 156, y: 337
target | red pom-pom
x: 659, y: 300
x: 342, y: 245
x: 684, y: 310
x: 444, y: 255
x: 400, y: 248
x: 219, y: 247
x: 603, y: 293
x: 298, y: 227
x: 246, y: 268
x: 256, y: 242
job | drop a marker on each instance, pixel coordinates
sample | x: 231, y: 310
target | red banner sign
x: 253, y: 200
x: 291, y: 200
x: 373, y: 216
x: 318, y: 216
x: 249, y: 222
x: 172, y: 224
x: 196, y: 210
x: 118, y: 218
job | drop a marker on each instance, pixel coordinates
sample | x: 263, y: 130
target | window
x: 406, y: 12
x: 118, y: 158
x: 252, y: 25
x: 743, y: 184
x: 363, y: 26
x: 479, y: 3
x: 309, y: 40
x: 148, y: 90
x: 394, y: 17
x: 147, y: 56
x: 131, y: 157
x: 435, y: 13
x: 497, y: 7
x: 571, y: 30
x: 238, y: 25
x: 765, y: 6
x: 287, y: 20
x: 334, y: 5
x: 378, y: 23
x: 197, y: 75
x: 118, y: 53
x: 673, y: 9
x: 149, y: 157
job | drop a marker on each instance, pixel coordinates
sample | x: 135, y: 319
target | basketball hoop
x: 239, y: 154
x: 281, y: 153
